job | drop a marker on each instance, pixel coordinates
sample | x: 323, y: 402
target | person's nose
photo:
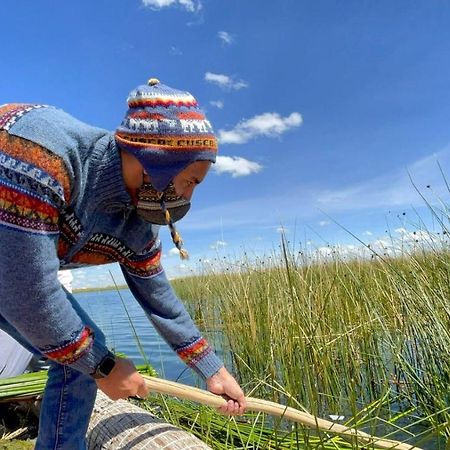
x: 187, y: 193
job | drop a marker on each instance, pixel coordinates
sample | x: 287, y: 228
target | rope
x: 185, y: 392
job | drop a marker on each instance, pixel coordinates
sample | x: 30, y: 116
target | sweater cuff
x: 200, y: 356
x: 208, y: 366
x: 89, y: 361
x: 82, y: 352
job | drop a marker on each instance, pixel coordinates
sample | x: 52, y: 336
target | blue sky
x: 322, y: 107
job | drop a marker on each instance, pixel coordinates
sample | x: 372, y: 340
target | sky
x: 329, y: 114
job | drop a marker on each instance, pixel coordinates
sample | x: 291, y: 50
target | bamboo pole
x: 185, y: 392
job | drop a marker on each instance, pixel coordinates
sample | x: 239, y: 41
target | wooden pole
x: 185, y: 392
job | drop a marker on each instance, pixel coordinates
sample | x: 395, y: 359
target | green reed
x: 335, y: 335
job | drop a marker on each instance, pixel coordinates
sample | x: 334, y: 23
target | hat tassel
x: 176, y: 237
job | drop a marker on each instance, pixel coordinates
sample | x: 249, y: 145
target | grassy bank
x: 367, y: 339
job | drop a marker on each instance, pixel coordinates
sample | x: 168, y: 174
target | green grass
x: 334, y: 336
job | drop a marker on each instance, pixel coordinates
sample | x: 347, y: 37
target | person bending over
x: 73, y: 195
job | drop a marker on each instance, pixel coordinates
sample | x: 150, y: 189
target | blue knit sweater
x: 63, y: 204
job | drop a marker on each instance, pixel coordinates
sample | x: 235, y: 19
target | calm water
x: 107, y: 310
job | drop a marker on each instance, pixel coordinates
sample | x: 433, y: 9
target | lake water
x: 108, y: 312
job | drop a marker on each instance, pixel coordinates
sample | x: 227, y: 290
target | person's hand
x: 222, y: 383
x: 123, y: 381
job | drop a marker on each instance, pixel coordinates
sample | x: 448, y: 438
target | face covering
x: 150, y: 203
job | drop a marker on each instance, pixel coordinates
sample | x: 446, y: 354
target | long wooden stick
x: 185, y: 392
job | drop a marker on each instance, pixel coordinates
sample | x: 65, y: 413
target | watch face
x: 107, y: 365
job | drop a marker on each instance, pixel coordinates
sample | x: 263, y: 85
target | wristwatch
x: 106, y: 365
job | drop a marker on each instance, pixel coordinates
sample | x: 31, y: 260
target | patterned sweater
x: 63, y: 203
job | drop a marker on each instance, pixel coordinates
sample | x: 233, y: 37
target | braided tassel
x: 176, y: 237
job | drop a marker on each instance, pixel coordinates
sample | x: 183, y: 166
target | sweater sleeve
x: 172, y: 321
x: 31, y: 297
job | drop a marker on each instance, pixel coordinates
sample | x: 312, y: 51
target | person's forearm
x: 33, y: 301
x: 173, y: 322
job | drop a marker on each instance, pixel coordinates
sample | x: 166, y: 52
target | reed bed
x: 363, y: 338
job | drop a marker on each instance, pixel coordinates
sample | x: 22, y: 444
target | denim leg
x: 68, y: 402
x: 66, y: 409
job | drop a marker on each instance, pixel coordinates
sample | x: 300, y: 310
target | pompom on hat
x: 166, y: 131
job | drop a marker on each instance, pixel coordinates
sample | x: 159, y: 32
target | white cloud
x: 225, y: 37
x: 401, y: 230
x: 189, y: 5
x: 218, y: 244
x: 217, y: 103
x: 323, y: 223
x: 393, y: 189
x: 325, y: 251
x: 225, y: 81
x: 367, y: 233
x: 174, y: 251
x: 266, y: 124
x: 175, y: 51
x: 236, y: 166
x: 282, y: 230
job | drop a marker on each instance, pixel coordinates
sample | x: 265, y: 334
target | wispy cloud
x: 393, y: 189
x: 225, y: 81
x: 175, y: 51
x: 218, y: 244
x: 97, y: 276
x: 390, y: 191
x: 217, y: 103
x: 268, y: 124
x: 225, y: 37
x: 324, y: 223
x: 189, y: 5
x: 236, y: 166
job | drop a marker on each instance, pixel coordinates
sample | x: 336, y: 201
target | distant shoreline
x: 105, y: 288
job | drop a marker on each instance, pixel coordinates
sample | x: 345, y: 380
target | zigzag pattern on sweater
x: 193, y: 352
x: 30, y: 197
x: 73, y: 349
x: 104, y: 249
x: 35, y: 163
x: 11, y: 113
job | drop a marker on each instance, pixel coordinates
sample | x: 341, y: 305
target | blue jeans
x: 69, y: 397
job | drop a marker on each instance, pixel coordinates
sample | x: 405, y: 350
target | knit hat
x: 166, y: 131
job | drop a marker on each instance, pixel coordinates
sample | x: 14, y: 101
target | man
x: 74, y: 195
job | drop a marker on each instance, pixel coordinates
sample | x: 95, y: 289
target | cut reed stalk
x: 185, y: 392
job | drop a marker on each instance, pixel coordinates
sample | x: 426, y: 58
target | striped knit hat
x: 166, y: 131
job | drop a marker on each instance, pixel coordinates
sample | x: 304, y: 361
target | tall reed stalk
x: 336, y: 335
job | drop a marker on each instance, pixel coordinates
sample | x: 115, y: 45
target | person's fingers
x: 231, y: 408
x: 143, y: 390
x: 222, y: 409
